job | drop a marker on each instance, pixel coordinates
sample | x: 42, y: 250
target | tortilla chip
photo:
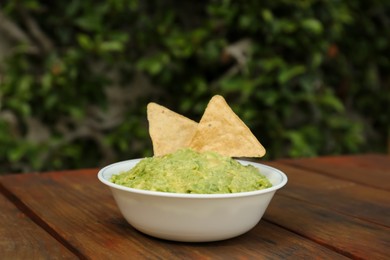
x: 222, y: 131
x: 168, y: 130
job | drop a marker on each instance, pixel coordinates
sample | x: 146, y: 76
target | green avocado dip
x: 187, y: 171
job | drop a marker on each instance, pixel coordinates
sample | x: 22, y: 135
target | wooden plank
x: 21, y: 238
x: 82, y: 211
x: 368, y: 170
x: 265, y: 241
x: 347, y: 197
x: 352, y: 237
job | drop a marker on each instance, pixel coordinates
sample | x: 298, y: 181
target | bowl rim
x: 282, y: 175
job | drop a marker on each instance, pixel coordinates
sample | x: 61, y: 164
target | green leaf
x: 267, y: 15
x: 312, y: 25
x: 110, y: 46
x: 90, y: 23
x: 236, y: 84
x: 153, y: 64
x: 270, y: 64
x: 331, y: 101
x: 15, y: 154
x: 288, y: 73
x: 85, y: 41
x: 47, y: 81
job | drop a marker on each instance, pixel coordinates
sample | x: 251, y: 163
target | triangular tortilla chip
x: 222, y: 131
x: 168, y: 130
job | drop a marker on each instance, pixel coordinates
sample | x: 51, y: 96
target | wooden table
x: 331, y: 208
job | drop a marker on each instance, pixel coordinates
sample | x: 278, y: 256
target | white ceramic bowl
x: 192, y: 217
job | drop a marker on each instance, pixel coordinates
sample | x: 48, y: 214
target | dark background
x: 308, y: 77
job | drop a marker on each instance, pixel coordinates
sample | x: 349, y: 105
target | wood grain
x: 21, y: 238
x: 350, y: 236
x: 367, y: 170
x: 82, y: 211
x: 347, y: 197
x: 331, y: 208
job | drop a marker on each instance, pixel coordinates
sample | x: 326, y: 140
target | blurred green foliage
x: 308, y: 77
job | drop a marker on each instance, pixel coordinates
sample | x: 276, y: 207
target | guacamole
x: 188, y: 171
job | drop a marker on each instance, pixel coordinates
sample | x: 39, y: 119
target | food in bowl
x: 192, y: 217
x: 188, y: 171
x: 193, y: 206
